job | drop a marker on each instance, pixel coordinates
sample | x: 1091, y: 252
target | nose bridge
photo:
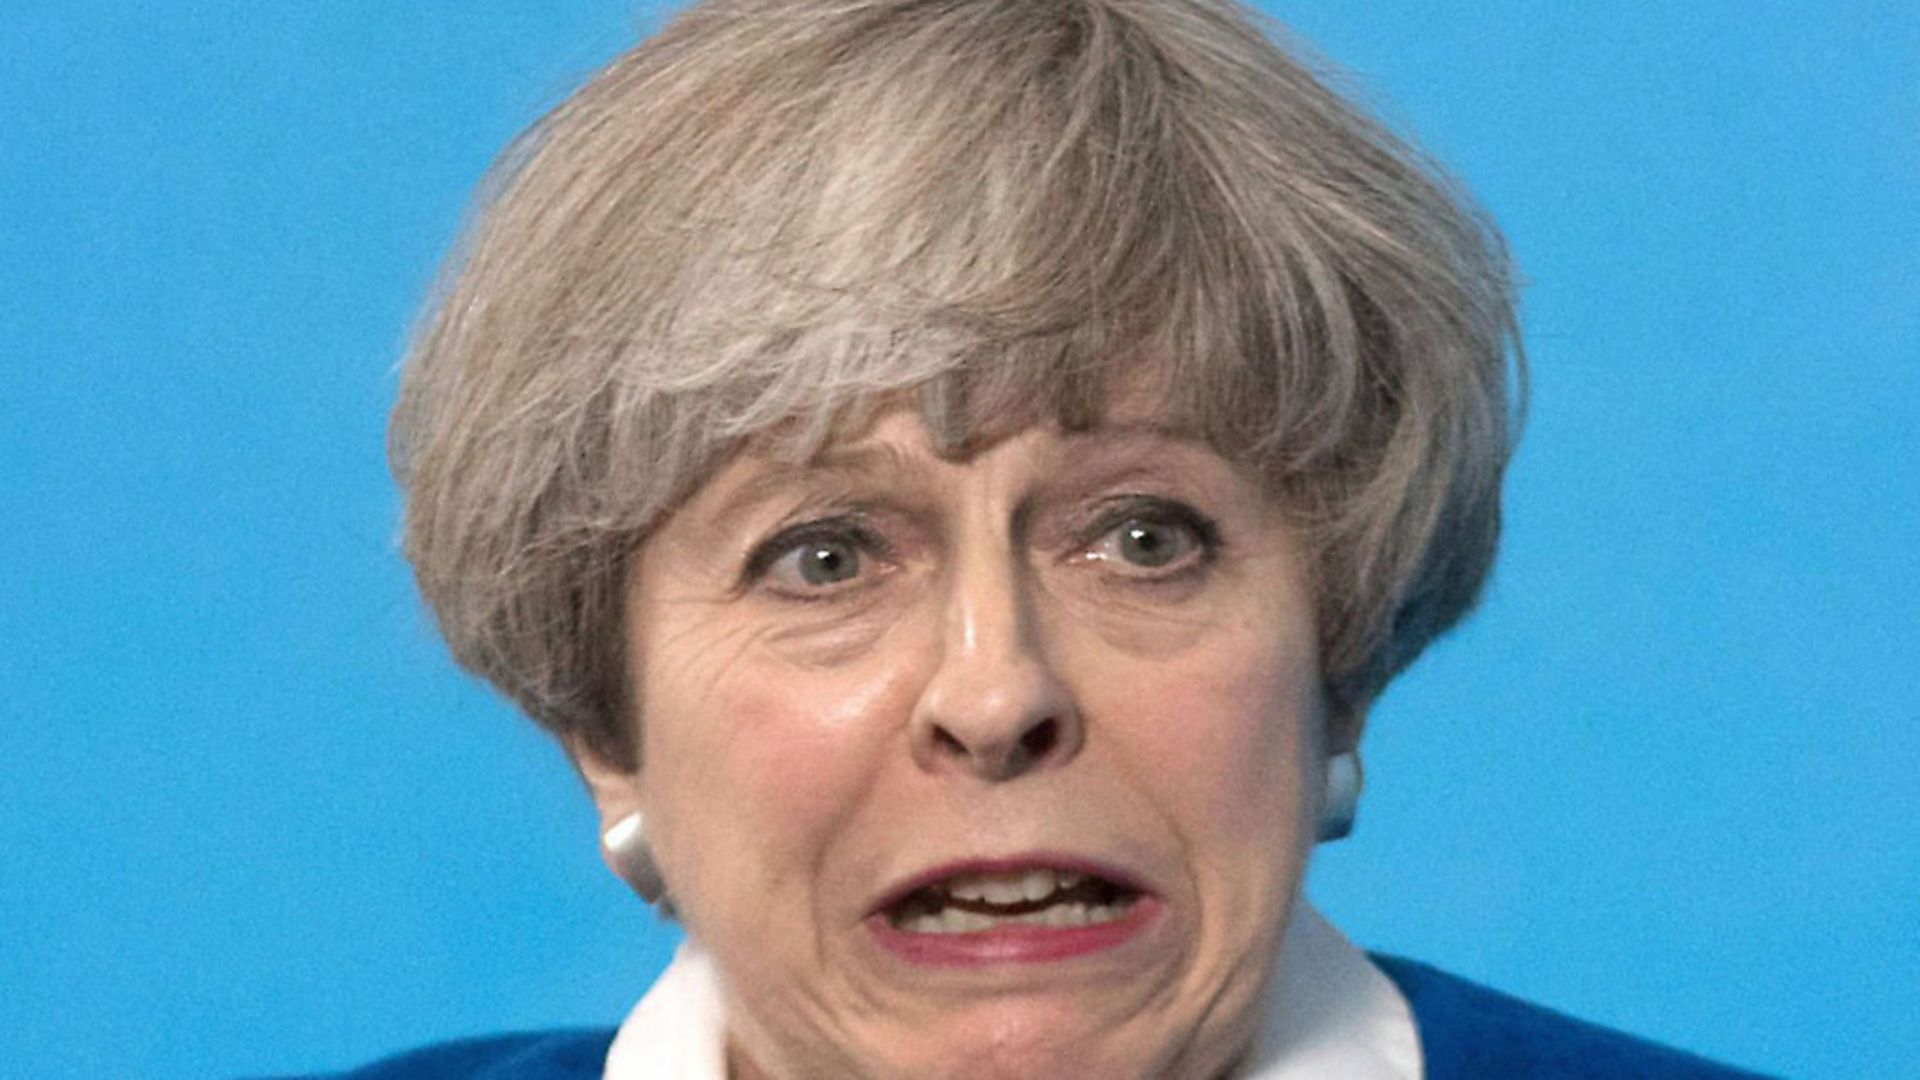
x: 995, y: 706
x: 989, y: 614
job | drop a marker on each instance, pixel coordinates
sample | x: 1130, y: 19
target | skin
x: 1037, y: 648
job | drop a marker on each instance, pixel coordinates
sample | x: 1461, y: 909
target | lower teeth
x: 953, y: 920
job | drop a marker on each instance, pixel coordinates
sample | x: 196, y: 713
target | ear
x: 614, y: 786
x: 1345, y: 723
x: 1340, y: 793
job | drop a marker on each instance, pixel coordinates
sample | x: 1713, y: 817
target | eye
x: 819, y: 562
x: 817, y: 559
x: 1154, y: 539
x: 1151, y: 543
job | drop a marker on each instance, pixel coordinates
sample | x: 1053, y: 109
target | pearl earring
x: 1342, y: 796
x: 626, y: 842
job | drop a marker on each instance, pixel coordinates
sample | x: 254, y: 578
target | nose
x: 996, y: 707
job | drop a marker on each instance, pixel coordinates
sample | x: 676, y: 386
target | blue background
x: 254, y: 821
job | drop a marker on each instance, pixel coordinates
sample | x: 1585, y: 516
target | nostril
x: 1040, y: 739
x: 1002, y: 754
x: 949, y: 742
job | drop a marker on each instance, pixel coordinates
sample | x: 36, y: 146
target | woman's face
x: 1005, y: 766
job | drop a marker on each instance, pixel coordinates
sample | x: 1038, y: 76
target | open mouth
x: 977, y: 902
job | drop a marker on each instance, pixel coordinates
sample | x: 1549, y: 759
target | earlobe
x: 1340, y: 789
x: 624, y: 847
x: 616, y: 792
x: 1342, y: 799
x: 614, y: 786
x: 1345, y: 721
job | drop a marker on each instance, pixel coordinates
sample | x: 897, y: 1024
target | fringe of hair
x: 778, y: 213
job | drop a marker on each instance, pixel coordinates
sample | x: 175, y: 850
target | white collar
x: 1330, y: 1012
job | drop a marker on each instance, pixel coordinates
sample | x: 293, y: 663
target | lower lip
x: 1017, y: 943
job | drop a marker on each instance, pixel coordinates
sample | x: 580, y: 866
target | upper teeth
x: 1010, y: 888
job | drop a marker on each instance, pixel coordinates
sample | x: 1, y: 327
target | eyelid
x: 852, y: 525
x: 1114, y: 513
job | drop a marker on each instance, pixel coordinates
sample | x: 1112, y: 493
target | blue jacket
x: 1466, y: 1031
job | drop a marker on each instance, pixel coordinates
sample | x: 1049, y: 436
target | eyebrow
x: 834, y: 470
x: 1136, y: 430
x: 846, y: 472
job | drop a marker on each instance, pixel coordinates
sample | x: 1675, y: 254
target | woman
x: 954, y: 475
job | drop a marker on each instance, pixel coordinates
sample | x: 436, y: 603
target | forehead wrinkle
x: 1145, y: 451
x: 835, y: 471
x: 1125, y: 430
x: 1108, y: 453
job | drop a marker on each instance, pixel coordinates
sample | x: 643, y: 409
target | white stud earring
x: 626, y: 841
x: 1342, y: 796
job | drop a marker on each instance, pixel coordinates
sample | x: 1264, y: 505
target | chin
x: 1024, y: 1055
x: 1032, y: 1039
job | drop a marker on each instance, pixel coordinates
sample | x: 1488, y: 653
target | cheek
x: 754, y: 775
x: 1227, y: 739
x: 803, y: 749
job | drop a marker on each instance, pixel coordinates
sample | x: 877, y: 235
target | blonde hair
x: 775, y: 212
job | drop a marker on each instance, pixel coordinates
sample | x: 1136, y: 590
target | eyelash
x: 847, y: 528
x: 853, y: 530
x: 1158, y: 511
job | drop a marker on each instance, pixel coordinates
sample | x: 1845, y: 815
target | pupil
x: 1146, y: 545
x: 827, y: 563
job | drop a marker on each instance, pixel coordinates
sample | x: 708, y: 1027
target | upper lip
x: 1011, y: 864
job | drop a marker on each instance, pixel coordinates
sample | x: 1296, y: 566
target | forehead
x: 895, y: 451
x: 906, y: 436
x: 891, y: 438
x: 962, y: 415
